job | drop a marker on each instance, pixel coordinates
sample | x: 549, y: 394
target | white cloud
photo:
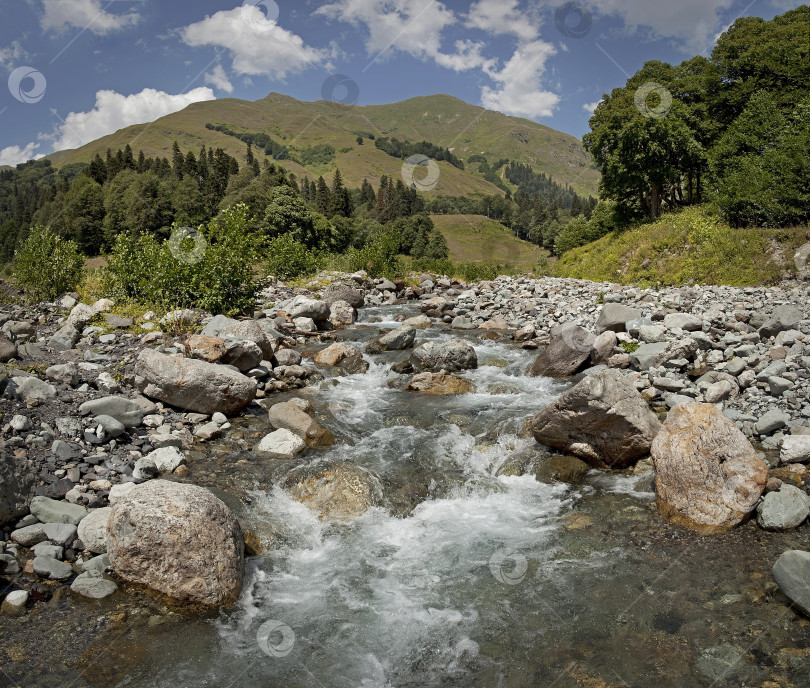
x: 114, y: 111
x: 692, y: 23
x: 13, y: 155
x: 520, y: 90
x: 89, y: 14
x: 410, y: 27
x: 257, y: 45
x: 10, y: 55
x: 590, y: 107
x: 503, y: 17
x: 219, y: 79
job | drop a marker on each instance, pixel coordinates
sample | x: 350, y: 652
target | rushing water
x: 471, y: 572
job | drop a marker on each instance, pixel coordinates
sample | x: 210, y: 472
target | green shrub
x: 629, y: 347
x: 47, y: 265
x: 287, y: 258
x: 213, y: 272
x: 378, y: 257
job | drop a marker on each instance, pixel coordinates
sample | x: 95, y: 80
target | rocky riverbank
x: 99, y: 411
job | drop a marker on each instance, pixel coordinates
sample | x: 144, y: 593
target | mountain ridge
x: 441, y: 119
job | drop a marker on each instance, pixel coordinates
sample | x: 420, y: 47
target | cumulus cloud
x: 503, y: 17
x: 257, y: 44
x: 590, y: 108
x: 13, y: 155
x: 691, y: 23
x: 219, y: 79
x: 84, y: 14
x: 114, y: 111
x: 520, y: 83
x: 406, y: 26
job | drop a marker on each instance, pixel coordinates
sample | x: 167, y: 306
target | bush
x: 378, y: 257
x: 47, y: 265
x: 213, y: 272
x: 288, y: 258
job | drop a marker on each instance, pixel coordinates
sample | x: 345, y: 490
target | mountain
x: 442, y: 120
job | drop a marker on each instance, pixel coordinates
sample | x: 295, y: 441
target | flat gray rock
x: 792, y: 573
x: 51, y: 511
x: 47, y: 567
x: 783, y: 509
x: 124, y: 410
x: 771, y: 421
x: 92, y: 584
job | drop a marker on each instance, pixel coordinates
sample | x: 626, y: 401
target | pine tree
x: 341, y: 201
x: 367, y: 195
x: 323, y: 197
x: 178, y: 161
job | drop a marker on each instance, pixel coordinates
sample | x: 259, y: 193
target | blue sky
x: 80, y: 69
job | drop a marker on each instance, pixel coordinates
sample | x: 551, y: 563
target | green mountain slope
x: 441, y: 119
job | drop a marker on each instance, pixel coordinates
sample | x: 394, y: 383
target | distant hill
x: 464, y: 129
x: 478, y: 239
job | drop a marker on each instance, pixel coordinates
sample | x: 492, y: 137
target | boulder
x: 336, y: 353
x: 398, y: 339
x: 93, y: 530
x: 559, y: 468
x: 786, y: 508
x: 343, y: 292
x: 440, y: 384
x: 615, y: 316
x: 125, y: 411
x: 193, y: 385
x: 179, y: 540
x: 93, y: 584
x: 64, y: 338
x: 341, y: 313
x: 288, y: 357
x: 452, y: 355
x: 782, y: 319
x: 302, y: 307
x: 792, y: 574
x: 683, y: 321
x: 52, y: 511
x: 48, y: 567
x: 112, y: 426
x: 280, y: 444
x: 643, y: 358
x: 288, y: 415
x: 18, y: 480
x: 205, y: 348
x: 602, y: 419
x: 305, y: 325
x: 795, y: 449
x: 14, y: 603
x: 24, y: 388
x: 167, y: 459
x: 242, y: 353
x: 420, y: 322
x: 63, y: 373
x: 335, y: 492
x: 708, y: 476
x: 771, y: 421
x: 602, y: 348
x: 569, y: 349
x: 8, y: 349
x: 248, y: 330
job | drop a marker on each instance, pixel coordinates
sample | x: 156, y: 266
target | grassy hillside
x: 687, y: 247
x: 443, y: 120
x: 477, y: 238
